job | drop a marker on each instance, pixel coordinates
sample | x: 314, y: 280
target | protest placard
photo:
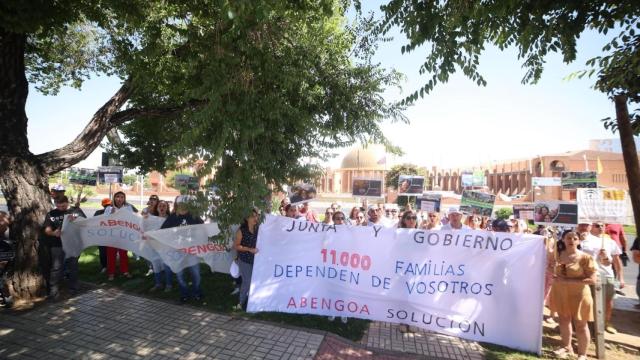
x: 301, y: 193
x: 470, y: 284
x: 579, y: 179
x: 602, y: 205
x: 429, y: 202
x: 367, y: 188
x: 556, y: 213
x: 82, y: 176
x: 546, y: 181
x: 524, y: 211
x: 476, y: 202
x: 187, y: 182
x: 110, y: 174
x: 410, y: 185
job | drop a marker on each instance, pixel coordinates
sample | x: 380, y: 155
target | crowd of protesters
x: 575, y: 257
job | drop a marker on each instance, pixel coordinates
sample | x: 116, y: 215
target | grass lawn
x: 216, y: 288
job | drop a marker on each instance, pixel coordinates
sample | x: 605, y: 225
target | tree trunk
x: 630, y: 155
x: 25, y: 187
x: 23, y: 179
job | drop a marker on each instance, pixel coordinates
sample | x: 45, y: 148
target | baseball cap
x: 58, y: 187
x: 454, y: 210
x: 106, y: 202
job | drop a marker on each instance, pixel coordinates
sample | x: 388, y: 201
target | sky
x: 458, y: 124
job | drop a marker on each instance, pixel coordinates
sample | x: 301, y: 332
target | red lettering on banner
x: 292, y: 302
x: 122, y: 223
x: 202, y: 249
x: 339, y: 305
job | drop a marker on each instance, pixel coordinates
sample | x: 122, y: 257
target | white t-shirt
x: 448, y: 227
x: 592, y: 245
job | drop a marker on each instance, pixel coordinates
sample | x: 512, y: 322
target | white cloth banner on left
x: 177, y: 247
x: 476, y: 285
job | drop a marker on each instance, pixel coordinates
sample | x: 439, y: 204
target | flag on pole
x: 599, y: 165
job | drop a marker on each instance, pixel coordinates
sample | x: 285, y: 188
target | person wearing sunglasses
x: 328, y: 216
x: 409, y: 220
x: 431, y: 221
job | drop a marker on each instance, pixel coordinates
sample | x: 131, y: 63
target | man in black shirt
x: 182, y: 217
x: 54, y: 261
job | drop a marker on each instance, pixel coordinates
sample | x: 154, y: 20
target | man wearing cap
x: 182, y: 217
x: 500, y: 225
x: 374, y: 216
x: 57, y: 191
x: 54, y: 261
x: 454, y: 215
x: 606, y: 254
x: 102, y: 250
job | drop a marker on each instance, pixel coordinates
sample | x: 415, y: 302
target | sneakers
x: 610, y: 329
x: 167, y: 288
x: 331, y: 318
x: 343, y: 319
x: 156, y: 288
x: 111, y: 277
x: 563, y: 353
x: 235, y: 291
x: 127, y: 275
x: 103, y: 271
x: 238, y: 307
x: 149, y: 272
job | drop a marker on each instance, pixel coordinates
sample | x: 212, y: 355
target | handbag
x: 234, y: 270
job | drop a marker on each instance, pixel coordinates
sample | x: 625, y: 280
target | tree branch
x: 90, y: 137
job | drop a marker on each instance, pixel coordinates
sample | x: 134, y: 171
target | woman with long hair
x: 328, y: 216
x: 409, y: 220
x: 119, y: 203
x: 353, y: 214
x: 163, y: 210
x: 431, y: 222
x: 474, y: 222
x: 245, y: 245
x: 570, y: 295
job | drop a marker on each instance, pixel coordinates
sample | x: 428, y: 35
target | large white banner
x: 177, y: 247
x: 477, y: 285
x: 605, y: 205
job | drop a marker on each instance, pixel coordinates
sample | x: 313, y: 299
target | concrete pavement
x: 111, y: 324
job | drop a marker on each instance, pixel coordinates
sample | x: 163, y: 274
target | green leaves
x: 456, y: 31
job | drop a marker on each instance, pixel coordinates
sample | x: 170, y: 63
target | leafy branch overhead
x: 457, y: 31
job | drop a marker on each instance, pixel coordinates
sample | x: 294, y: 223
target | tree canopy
x: 251, y: 88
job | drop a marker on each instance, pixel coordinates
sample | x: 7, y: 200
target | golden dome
x: 373, y: 157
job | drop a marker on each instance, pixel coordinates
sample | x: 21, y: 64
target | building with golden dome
x: 371, y: 162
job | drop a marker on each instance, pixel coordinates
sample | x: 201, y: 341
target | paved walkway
x: 110, y: 324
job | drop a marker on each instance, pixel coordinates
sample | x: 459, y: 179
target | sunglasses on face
x: 339, y: 218
x: 411, y: 218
